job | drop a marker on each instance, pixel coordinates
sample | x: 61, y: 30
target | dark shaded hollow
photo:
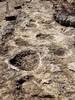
x: 74, y: 44
x: 43, y: 36
x: 25, y: 60
x: 20, y: 81
x: 10, y: 18
x: 23, y: 79
x: 3, y: 49
x: 21, y: 42
x: 59, y: 52
x: 7, y: 36
x: 2, y: 0
x: 40, y: 35
x: 18, y: 7
x: 65, y: 15
x: 44, y: 96
x: 63, y: 19
x: 47, y: 96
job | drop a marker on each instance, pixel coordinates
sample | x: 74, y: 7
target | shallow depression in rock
x: 25, y: 60
x: 66, y: 16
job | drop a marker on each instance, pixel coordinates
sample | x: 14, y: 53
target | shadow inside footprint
x: 66, y: 15
x: 44, y: 36
x: 4, y: 48
x: 57, y: 50
x: 21, y: 42
x: 25, y: 60
x: 7, y: 36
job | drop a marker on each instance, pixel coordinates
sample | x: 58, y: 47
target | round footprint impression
x: 65, y: 15
x: 27, y: 60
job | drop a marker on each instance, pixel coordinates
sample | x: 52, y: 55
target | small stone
x: 10, y: 18
x: 18, y: 7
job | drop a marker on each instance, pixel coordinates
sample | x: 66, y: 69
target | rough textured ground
x: 37, y: 54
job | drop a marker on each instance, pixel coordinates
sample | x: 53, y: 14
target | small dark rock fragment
x: 21, y: 80
x: 47, y: 96
x: 43, y: 36
x: 18, y: 7
x: 10, y: 18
